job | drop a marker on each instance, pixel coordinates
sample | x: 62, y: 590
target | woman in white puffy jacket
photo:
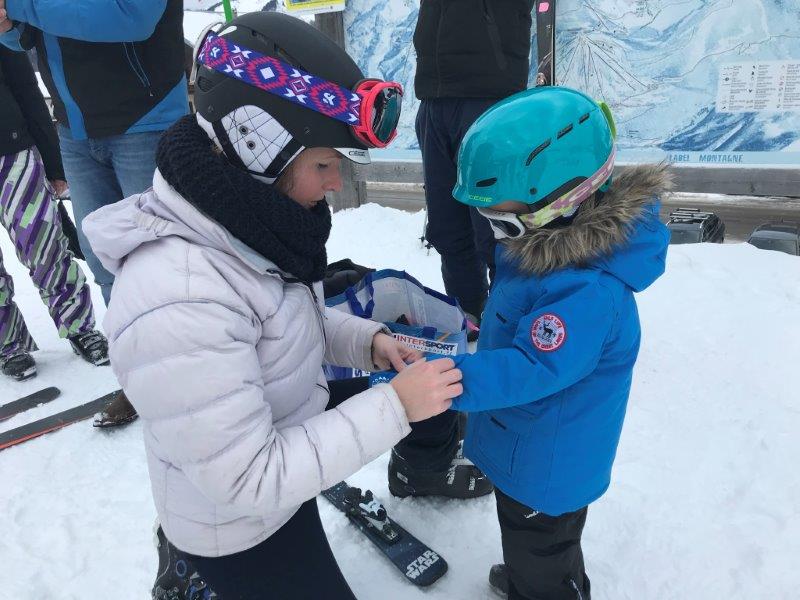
x: 218, y: 331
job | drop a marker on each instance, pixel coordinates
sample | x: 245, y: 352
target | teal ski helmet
x: 547, y: 147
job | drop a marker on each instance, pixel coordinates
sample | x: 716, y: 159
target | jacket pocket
x: 497, y: 441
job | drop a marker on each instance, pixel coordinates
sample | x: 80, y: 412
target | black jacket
x: 118, y: 68
x: 472, y: 48
x: 24, y: 118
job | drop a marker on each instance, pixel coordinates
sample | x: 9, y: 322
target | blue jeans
x: 102, y: 171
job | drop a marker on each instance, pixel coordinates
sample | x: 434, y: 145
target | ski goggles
x: 511, y: 225
x: 371, y: 108
x: 503, y: 224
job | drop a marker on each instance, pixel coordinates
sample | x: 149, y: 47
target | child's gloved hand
x: 388, y: 353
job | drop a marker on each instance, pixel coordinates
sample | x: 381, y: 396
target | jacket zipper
x: 314, y: 299
x: 137, y: 68
x: 320, y: 316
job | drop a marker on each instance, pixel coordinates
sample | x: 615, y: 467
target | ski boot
x: 119, y: 412
x: 177, y: 579
x: 498, y: 580
x: 19, y: 366
x: 461, y: 480
x: 91, y: 346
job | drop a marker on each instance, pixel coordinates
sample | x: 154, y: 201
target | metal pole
x: 226, y: 4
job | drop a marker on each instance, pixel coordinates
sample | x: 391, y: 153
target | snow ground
x: 703, y: 503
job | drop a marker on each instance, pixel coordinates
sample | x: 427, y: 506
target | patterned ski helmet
x: 548, y: 147
x: 262, y: 132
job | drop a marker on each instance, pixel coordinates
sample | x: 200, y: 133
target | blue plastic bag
x: 418, y: 316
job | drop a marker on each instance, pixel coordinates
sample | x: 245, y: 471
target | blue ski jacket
x: 549, y: 384
x: 112, y: 67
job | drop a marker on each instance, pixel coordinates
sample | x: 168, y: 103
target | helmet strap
x: 227, y: 148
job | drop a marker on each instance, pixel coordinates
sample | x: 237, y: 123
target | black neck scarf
x: 254, y: 212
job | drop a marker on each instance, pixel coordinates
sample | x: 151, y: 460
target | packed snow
x: 703, y: 503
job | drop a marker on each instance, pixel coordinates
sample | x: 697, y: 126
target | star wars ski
x: 420, y: 565
x: 546, y: 42
x: 35, y: 399
x: 53, y: 422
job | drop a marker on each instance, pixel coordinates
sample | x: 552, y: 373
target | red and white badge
x: 548, y: 332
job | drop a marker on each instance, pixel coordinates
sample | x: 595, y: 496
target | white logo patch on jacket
x: 548, y: 332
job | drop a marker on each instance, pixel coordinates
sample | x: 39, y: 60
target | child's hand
x: 426, y: 388
x: 5, y: 22
x: 388, y: 353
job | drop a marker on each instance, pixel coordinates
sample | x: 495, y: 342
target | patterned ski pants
x: 30, y: 215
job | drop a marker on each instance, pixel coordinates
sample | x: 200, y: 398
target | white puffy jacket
x: 221, y: 353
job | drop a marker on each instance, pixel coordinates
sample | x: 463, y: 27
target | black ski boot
x: 498, y: 580
x: 19, y: 366
x: 461, y: 480
x: 177, y: 578
x: 91, y: 346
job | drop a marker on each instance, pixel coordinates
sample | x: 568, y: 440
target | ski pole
x: 226, y: 4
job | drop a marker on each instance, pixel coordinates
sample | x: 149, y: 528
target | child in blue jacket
x: 549, y: 384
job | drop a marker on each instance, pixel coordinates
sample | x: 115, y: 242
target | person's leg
x: 542, y: 554
x: 433, y: 443
x: 294, y: 562
x: 93, y: 184
x: 484, y: 242
x: 91, y: 168
x: 133, y: 157
x: 34, y: 224
x: 449, y: 224
x: 14, y: 335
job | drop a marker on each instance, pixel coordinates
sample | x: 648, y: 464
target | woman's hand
x: 426, y: 388
x: 387, y: 353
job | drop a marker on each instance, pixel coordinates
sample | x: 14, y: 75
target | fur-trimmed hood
x: 606, y: 233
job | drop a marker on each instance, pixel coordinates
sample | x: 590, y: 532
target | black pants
x: 296, y: 562
x: 460, y: 235
x: 431, y: 444
x: 542, y: 553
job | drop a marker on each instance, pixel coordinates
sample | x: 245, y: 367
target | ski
x: 53, y: 422
x: 35, y: 399
x: 546, y: 42
x: 418, y: 563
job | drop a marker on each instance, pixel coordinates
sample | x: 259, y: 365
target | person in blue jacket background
x: 549, y: 384
x: 115, y: 73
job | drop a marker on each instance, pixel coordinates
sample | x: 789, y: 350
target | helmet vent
x: 282, y: 54
x: 486, y: 182
x: 536, y: 151
x: 564, y: 131
x: 583, y: 119
x: 204, y: 83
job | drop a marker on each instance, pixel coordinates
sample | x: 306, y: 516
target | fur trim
x: 596, y: 228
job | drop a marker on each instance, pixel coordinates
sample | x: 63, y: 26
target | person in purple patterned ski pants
x: 30, y: 170
x: 30, y: 215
